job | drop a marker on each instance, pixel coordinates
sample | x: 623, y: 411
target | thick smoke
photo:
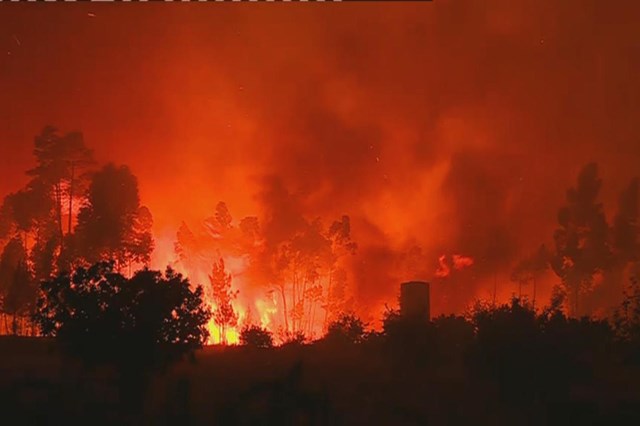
x: 452, y: 127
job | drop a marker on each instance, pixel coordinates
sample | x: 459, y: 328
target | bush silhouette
x: 407, y: 335
x: 348, y: 328
x: 256, y: 336
x: 137, y: 325
x: 103, y: 317
x: 531, y: 355
x: 297, y: 338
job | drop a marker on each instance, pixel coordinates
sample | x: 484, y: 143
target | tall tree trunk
x: 313, y: 315
x: 303, y: 300
x: 309, y: 319
x: 533, y: 301
x: 71, y: 198
x: 294, y: 301
x: 284, y: 307
x: 58, y: 191
x: 326, y: 311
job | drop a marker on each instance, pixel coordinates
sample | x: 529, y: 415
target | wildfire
x: 455, y: 262
x: 230, y: 335
x: 248, y: 308
x: 291, y: 306
x: 266, y: 309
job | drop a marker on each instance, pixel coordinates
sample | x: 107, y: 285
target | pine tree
x: 581, y: 241
x: 224, y: 316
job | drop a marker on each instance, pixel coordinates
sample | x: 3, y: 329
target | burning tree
x: 336, y: 301
x: 307, y: 272
x: 224, y: 316
x: 297, y: 259
x: 339, y: 235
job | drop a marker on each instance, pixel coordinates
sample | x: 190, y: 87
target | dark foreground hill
x: 314, y: 385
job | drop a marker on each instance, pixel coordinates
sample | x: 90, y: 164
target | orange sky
x: 454, y: 124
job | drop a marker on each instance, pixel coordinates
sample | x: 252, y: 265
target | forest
x: 282, y: 269
x: 213, y: 214
x: 81, y: 306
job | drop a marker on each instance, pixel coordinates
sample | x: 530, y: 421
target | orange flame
x: 456, y: 261
x: 460, y: 261
x: 443, y: 269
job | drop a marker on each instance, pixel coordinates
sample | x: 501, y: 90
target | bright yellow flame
x: 232, y: 335
x: 267, y: 309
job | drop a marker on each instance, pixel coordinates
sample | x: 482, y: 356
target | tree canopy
x: 112, y: 225
x: 101, y: 316
x: 581, y: 241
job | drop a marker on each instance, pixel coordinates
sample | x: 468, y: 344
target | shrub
x: 348, y: 328
x: 103, y: 317
x: 256, y: 336
x: 296, y: 338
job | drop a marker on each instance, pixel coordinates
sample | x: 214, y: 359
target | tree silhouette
x: 101, y: 315
x: 35, y: 213
x: 62, y: 163
x: 139, y: 240
x: 626, y: 318
x: 16, y: 284
x: 625, y: 242
x: 625, y: 225
x: 186, y: 246
x: 29, y: 212
x: 12, y: 255
x: 529, y: 269
x: 339, y: 235
x: 581, y: 241
x: 223, y: 315
x: 112, y: 224
x: 222, y: 216
x: 44, y: 254
x: 136, y: 325
x: 20, y: 297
